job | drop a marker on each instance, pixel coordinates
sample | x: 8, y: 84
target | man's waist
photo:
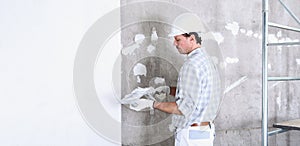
x: 200, y: 124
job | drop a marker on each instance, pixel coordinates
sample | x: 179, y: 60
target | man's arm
x: 168, y: 107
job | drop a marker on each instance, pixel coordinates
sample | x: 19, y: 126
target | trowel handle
x: 173, y: 91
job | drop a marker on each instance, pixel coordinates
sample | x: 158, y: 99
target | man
x: 198, y: 87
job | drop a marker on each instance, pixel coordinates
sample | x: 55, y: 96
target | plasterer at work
x: 198, y: 89
x: 137, y: 97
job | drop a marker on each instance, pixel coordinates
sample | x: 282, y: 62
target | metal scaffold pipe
x: 289, y: 11
x: 264, y: 73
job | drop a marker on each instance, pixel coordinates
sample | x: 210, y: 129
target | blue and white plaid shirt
x: 198, y: 90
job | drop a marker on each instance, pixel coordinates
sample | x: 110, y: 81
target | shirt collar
x: 196, y: 51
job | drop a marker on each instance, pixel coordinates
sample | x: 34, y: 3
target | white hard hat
x: 185, y: 23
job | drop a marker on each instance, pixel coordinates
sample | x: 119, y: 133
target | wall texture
x: 236, y: 26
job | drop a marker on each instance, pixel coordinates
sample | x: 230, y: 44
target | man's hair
x: 198, y: 38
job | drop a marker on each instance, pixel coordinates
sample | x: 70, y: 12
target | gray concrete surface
x: 237, y: 27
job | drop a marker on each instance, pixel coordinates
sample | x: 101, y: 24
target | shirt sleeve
x: 193, y: 96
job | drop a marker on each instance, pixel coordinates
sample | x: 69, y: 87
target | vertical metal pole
x: 264, y: 73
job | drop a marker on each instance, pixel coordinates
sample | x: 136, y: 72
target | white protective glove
x: 141, y: 104
x: 136, y: 94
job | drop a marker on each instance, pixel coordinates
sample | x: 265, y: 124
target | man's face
x: 183, y: 44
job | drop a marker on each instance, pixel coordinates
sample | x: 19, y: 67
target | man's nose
x: 175, y: 43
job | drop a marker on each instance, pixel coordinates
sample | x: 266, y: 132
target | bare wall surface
x: 236, y: 26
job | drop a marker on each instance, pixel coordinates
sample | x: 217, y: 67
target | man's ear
x: 192, y: 38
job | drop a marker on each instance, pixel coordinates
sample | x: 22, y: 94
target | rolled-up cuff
x: 185, y: 106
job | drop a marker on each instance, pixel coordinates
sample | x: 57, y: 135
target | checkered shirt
x: 198, y: 90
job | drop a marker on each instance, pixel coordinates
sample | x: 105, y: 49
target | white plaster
x: 130, y: 49
x: 275, y: 84
x: 154, y: 36
x: 160, y: 96
x: 243, y: 30
x: 164, y: 89
x: 159, y: 80
x: 215, y: 59
x: 139, y: 38
x: 281, y: 40
x: 235, y: 84
x: 288, y: 39
x: 140, y: 105
x: 233, y: 27
x: 219, y: 37
x: 255, y: 35
x: 298, y: 61
x: 279, y: 34
x: 151, y: 48
x: 139, y: 69
x: 231, y: 60
x: 269, y: 66
x: 279, y: 49
x: 278, y: 100
x: 260, y: 36
x: 249, y: 33
x: 272, y: 38
x: 207, y: 36
x: 223, y: 65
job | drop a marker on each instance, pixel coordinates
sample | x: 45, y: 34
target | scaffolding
x: 288, y: 125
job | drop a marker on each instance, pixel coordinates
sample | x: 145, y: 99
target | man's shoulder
x: 198, y: 60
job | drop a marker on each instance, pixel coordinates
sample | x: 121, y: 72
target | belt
x: 200, y: 124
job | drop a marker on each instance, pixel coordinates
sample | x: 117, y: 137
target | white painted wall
x: 38, y: 43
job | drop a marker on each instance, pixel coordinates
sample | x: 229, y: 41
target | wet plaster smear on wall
x: 148, y: 54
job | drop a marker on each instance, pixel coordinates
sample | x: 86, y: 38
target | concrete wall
x: 237, y: 28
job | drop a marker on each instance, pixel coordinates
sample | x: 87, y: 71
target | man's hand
x: 141, y: 104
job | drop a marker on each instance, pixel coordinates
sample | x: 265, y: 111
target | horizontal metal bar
x: 283, y: 78
x: 283, y: 27
x: 277, y: 131
x: 284, y: 43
